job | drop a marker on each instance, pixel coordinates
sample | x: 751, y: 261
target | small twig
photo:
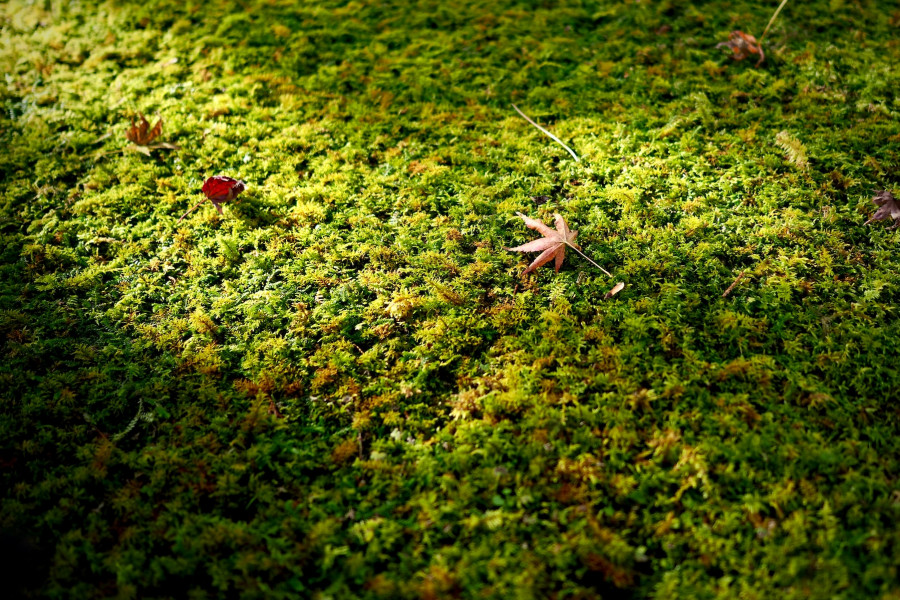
x: 772, y: 20
x: 733, y: 283
x: 552, y: 137
x: 588, y: 259
x: 269, y: 279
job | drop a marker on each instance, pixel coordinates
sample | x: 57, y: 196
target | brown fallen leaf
x: 616, y: 289
x: 140, y: 133
x: 887, y: 208
x: 552, y: 245
x: 743, y: 45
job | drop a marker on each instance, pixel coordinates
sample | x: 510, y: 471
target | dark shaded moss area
x: 343, y: 389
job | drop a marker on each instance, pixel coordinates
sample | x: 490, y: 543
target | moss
x: 342, y: 388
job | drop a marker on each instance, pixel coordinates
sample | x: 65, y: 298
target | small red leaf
x: 219, y: 189
x: 552, y: 245
x: 222, y: 189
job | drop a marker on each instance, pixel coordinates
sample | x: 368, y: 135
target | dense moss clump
x: 342, y: 388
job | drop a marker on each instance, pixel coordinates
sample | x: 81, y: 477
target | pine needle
x: 552, y: 137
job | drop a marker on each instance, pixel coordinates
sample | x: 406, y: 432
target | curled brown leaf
x: 887, y: 208
x: 743, y: 45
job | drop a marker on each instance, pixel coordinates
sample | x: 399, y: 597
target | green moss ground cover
x: 342, y: 388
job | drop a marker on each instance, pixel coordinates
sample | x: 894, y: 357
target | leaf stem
x: 587, y: 259
x: 552, y: 137
x: 189, y: 210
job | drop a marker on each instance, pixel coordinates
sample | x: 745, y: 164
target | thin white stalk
x: 552, y: 137
x: 587, y: 259
x: 772, y: 20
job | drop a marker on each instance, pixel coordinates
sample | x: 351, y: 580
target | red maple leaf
x: 218, y: 190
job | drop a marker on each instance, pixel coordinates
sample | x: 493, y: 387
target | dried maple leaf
x: 218, y: 190
x: 552, y: 245
x: 887, y: 208
x: 743, y: 45
x: 140, y: 133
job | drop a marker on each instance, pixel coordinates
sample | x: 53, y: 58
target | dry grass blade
x: 772, y: 20
x: 552, y: 137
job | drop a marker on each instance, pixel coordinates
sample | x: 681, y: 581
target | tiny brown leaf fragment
x: 743, y: 45
x: 887, y: 208
x: 616, y: 289
x: 140, y: 133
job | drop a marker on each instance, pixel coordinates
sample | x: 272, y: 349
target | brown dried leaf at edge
x: 743, y: 45
x: 140, y: 133
x: 887, y: 208
x: 551, y: 246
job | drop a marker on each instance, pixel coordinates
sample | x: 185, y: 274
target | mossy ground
x: 445, y: 428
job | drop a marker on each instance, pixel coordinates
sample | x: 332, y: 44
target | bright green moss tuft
x: 343, y: 389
